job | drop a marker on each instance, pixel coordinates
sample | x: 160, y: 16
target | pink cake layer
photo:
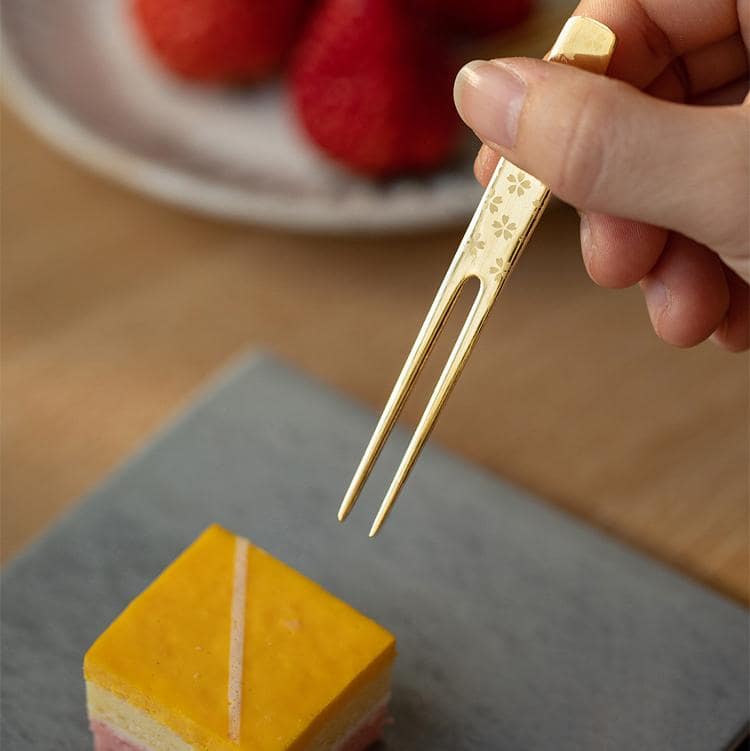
x: 106, y: 739
x: 368, y: 733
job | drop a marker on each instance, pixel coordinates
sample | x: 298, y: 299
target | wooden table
x: 116, y: 309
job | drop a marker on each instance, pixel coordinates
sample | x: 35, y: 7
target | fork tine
x: 433, y: 323
x: 453, y: 367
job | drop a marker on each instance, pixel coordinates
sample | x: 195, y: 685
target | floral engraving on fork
x: 504, y: 228
x: 474, y: 244
x: 493, y: 202
x: 518, y: 183
x: 500, y: 269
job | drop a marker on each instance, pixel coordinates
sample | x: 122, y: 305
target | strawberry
x: 475, y: 17
x: 219, y: 41
x: 373, y: 89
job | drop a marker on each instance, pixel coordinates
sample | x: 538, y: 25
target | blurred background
x: 178, y: 189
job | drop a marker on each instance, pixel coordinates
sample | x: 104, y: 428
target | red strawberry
x: 221, y: 41
x: 373, y: 90
x: 476, y: 17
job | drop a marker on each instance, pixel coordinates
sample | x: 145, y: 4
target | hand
x: 656, y: 157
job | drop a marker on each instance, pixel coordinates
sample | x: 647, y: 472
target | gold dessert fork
x: 498, y: 232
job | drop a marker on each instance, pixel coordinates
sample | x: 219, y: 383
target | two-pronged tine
x: 461, y: 351
x: 488, y: 252
x: 497, y: 234
x: 431, y: 328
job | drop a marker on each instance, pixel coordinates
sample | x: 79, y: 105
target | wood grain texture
x: 115, y: 309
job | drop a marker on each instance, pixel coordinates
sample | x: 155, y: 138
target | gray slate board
x: 518, y: 627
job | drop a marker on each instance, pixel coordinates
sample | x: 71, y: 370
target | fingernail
x: 489, y: 97
x: 587, y: 249
x: 657, y: 300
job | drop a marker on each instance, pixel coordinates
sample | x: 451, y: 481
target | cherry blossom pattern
x: 504, y: 228
x: 519, y: 183
x: 493, y: 202
x: 500, y: 268
x: 474, y: 244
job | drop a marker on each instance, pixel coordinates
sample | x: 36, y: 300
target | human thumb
x: 607, y: 147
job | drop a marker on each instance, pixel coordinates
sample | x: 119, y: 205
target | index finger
x: 653, y: 33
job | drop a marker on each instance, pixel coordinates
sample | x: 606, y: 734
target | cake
x: 229, y: 648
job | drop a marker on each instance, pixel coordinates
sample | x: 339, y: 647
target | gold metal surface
x: 498, y: 232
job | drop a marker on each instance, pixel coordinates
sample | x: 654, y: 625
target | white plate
x: 75, y: 70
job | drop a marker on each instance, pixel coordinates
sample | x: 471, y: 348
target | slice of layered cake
x: 231, y: 649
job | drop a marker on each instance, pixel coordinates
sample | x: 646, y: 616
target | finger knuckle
x: 583, y: 153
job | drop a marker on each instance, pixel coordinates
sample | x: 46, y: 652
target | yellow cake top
x: 304, y: 650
